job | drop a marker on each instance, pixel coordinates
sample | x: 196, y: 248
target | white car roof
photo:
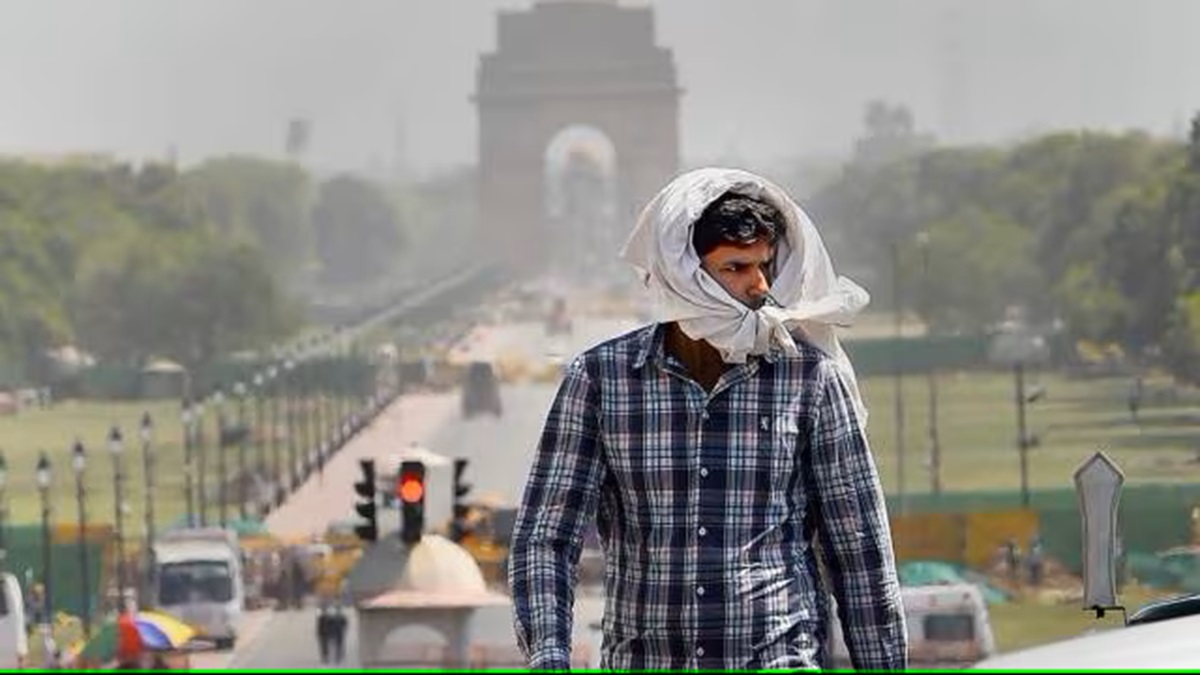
x: 1173, y: 643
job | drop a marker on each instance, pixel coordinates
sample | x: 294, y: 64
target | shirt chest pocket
x: 775, y: 446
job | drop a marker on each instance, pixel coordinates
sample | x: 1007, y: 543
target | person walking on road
x: 721, y: 452
x: 324, y: 632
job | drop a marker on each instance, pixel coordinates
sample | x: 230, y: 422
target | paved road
x: 289, y: 640
x: 329, y: 495
x: 499, y: 451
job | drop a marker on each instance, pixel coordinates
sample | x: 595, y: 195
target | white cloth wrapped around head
x: 812, y: 300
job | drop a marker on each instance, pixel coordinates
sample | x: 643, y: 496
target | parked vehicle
x: 948, y: 627
x: 199, y: 579
x: 14, y: 640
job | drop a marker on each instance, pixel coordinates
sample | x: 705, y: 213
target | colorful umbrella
x: 157, y: 632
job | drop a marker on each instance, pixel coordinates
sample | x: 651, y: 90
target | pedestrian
x: 324, y: 632
x: 721, y: 451
x: 1035, y: 561
x: 338, y: 626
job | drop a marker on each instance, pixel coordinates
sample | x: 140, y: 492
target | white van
x: 198, y: 575
x: 948, y: 627
x: 14, y: 641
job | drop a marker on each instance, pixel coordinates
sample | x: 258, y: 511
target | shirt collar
x: 650, y: 342
x: 650, y: 345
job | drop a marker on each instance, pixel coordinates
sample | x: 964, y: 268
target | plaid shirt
x: 706, y: 505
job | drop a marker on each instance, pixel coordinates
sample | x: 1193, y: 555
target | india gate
x: 578, y: 128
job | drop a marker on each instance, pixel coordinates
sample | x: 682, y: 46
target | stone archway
x: 590, y: 63
x: 581, y: 201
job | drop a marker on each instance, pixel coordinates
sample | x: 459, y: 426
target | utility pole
x: 898, y: 312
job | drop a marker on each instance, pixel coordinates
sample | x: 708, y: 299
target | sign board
x: 1098, y: 484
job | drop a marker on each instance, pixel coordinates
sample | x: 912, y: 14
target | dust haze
x: 386, y: 84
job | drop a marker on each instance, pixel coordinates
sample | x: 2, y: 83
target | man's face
x: 744, y: 271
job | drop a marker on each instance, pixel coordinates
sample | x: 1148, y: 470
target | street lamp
x: 260, y: 445
x: 189, y: 471
x: 43, y: 483
x: 935, y: 448
x: 148, y: 470
x: 79, y: 463
x: 276, y: 461
x: 3, y: 510
x: 239, y: 392
x: 116, y: 448
x: 1024, y: 440
x: 289, y: 401
x: 218, y: 399
x: 201, y: 462
x: 898, y: 373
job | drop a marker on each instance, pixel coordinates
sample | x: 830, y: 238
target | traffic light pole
x: 366, y: 507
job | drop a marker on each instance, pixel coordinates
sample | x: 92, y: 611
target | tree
x: 33, y: 313
x: 358, y: 232
x: 190, y: 297
x: 261, y: 201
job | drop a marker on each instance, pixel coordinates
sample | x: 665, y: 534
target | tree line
x: 1094, y: 234
x: 138, y: 262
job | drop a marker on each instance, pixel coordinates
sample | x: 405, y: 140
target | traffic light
x: 410, y: 488
x: 368, y: 531
x: 461, y: 488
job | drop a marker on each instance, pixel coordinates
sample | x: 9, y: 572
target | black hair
x: 735, y: 219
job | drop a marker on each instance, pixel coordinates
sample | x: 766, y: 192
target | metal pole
x: 222, y: 497
x: 189, y: 471
x: 3, y: 511
x: 240, y: 390
x: 1022, y: 439
x: 898, y: 310
x: 289, y: 401
x: 81, y: 504
x: 201, y: 465
x: 148, y: 467
x: 43, y: 480
x: 116, y: 448
x: 274, y: 382
x: 935, y: 448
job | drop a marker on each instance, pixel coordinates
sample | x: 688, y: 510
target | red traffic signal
x: 410, y: 490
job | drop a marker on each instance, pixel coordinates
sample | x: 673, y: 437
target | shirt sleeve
x: 560, y: 498
x: 855, y: 537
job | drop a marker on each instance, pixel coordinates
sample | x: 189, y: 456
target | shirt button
x: 702, y: 531
x: 699, y: 651
x: 700, y: 590
x: 703, y: 472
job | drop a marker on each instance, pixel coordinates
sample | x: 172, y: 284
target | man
x: 719, y: 449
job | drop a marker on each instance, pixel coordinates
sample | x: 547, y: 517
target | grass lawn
x: 977, y: 427
x: 1028, y: 624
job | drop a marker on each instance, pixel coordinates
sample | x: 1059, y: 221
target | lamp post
x: 116, y: 448
x: 150, y: 484
x: 898, y: 374
x: 189, y: 471
x: 239, y: 392
x: 79, y: 463
x: 218, y: 399
x: 3, y: 510
x: 935, y: 446
x: 260, y: 444
x: 43, y: 483
x: 289, y: 369
x: 1024, y: 440
x: 276, y: 461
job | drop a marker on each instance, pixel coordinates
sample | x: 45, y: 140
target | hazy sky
x: 764, y: 79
